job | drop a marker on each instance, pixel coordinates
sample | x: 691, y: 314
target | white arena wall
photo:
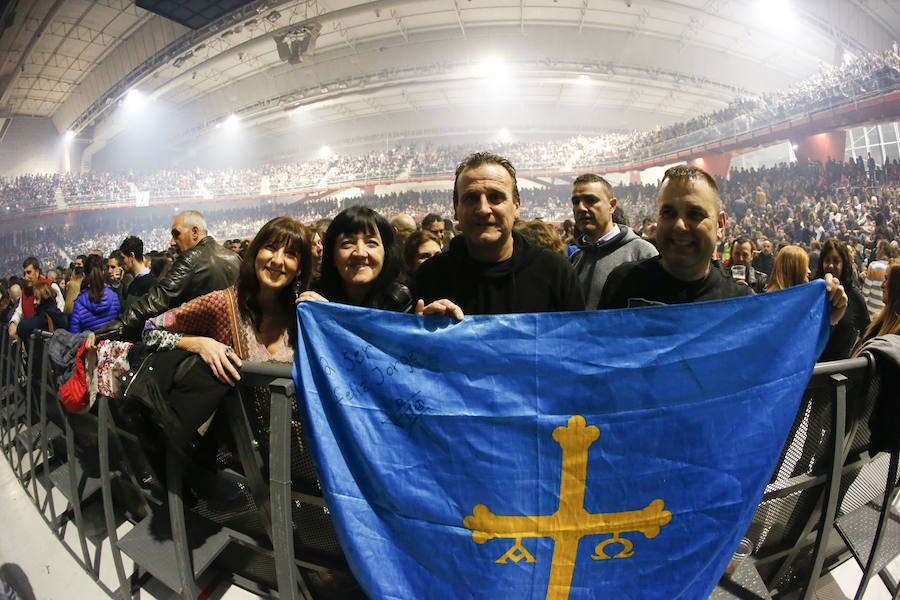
x: 31, y: 145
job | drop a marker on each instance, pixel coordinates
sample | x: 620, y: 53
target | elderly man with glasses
x: 202, y: 266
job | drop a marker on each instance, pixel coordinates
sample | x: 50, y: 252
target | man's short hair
x: 741, y: 240
x: 83, y: 257
x: 404, y: 223
x: 475, y: 160
x: 31, y: 260
x: 133, y: 245
x: 117, y: 256
x: 193, y: 218
x: 432, y: 218
x: 692, y: 172
x: 594, y: 178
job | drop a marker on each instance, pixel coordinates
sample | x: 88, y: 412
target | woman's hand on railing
x: 222, y: 359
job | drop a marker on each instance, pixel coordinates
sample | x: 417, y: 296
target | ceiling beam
x: 20, y: 66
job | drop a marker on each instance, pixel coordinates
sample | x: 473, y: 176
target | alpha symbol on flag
x: 571, y: 521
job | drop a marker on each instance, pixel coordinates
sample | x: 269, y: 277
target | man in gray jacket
x: 603, y: 245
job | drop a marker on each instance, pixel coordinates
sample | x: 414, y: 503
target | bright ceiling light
x: 776, y: 14
x: 134, y: 99
x: 504, y: 135
x: 69, y: 136
x: 491, y: 67
x: 583, y: 80
x: 324, y: 152
x: 232, y: 122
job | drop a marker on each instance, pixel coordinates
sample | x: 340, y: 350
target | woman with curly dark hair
x: 835, y: 259
x: 360, y: 264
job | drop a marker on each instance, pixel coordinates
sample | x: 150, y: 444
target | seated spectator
x: 7, y: 306
x: 791, y: 268
x: 874, y: 277
x: 887, y: 321
x: 741, y: 256
x: 47, y: 315
x: 31, y: 274
x: 132, y: 252
x: 419, y: 247
x: 403, y: 226
x: 360, y: 264
x: 317, y: 252
x: 262, y: 329
x: 542, y: 234
x: 97, y: 305
x: 765, y: 261
x: 835, y: 259
x: 73, y: 287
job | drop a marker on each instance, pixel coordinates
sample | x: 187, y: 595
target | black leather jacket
x: 205, y: 268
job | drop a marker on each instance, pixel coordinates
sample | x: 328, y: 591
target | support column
x: 820, y: 147
x: 713, y: 163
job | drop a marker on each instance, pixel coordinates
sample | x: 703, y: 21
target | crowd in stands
x: 865, y: 75
x: 862, y: 76
x: 791, y: 203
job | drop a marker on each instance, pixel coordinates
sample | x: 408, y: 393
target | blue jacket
x: 87, y: 316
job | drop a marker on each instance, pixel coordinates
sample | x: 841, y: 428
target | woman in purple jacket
x: 97, y: 305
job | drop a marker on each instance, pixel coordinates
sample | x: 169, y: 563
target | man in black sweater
x: 490, y: 269
x: 132, y: 250
x: 690, y: 224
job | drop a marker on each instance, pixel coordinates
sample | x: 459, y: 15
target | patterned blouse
x: 214, y: 315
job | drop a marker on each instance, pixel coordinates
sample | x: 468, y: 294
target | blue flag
x: 569, y: 455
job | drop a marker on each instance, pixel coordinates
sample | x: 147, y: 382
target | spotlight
x: 69, y: 136
x: 273, y: 16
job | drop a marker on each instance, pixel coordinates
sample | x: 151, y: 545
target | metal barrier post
x: 34, y: 430
x: 21, y: 402
x: 839, y: 383
x: 45, y: 443
x: 179, y: 527
x: 106, y: 491
x: 76, y: 493
x: 883, y: 517
x: 5, y: 405
x: 282, y: 391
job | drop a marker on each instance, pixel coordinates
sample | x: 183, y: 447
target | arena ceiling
x: 366, y: 68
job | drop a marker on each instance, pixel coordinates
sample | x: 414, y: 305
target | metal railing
x: 49, y: 449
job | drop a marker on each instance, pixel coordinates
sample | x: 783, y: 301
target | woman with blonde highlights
x: 791, y: 268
